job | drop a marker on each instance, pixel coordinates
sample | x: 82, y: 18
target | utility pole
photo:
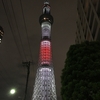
x: 27, y: 65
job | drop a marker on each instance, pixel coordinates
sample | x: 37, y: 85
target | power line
x: 18, y: 30
x: 26, y: 29
x: 11, y: 29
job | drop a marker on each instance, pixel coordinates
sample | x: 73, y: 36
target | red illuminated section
x: 45, y: 52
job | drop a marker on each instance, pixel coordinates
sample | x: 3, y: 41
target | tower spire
x: 46, y: 7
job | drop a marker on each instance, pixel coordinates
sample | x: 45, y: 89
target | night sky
x: 22, y: 38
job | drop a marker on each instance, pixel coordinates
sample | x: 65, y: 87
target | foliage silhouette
x: 80, y: 77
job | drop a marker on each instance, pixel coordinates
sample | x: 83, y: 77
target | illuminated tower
x: 44, y: 88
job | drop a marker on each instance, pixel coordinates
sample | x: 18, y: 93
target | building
x: 44, y: 88
x: 1, y: 33
x: 88, y: 23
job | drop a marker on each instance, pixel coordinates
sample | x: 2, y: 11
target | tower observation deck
x: 44, y: 88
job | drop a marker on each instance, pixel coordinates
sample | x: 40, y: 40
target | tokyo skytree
x: 44, y: 88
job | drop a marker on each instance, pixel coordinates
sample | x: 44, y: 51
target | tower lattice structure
x: 44, y: 88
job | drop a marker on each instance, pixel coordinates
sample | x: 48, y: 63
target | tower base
x: 44, y: 88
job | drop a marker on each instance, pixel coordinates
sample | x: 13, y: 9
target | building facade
x: 44, y: 88
x: 88, y: 22
x: 1, y: 33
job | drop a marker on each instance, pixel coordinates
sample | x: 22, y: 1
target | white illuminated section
x: 45, y: 69
x: 46, y: 2
x: 46, y: 7
x: 44, y: 84
x: 46, y: 29
x: 45, y: 43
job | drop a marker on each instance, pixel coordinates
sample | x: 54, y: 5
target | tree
x: 80, y: 77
